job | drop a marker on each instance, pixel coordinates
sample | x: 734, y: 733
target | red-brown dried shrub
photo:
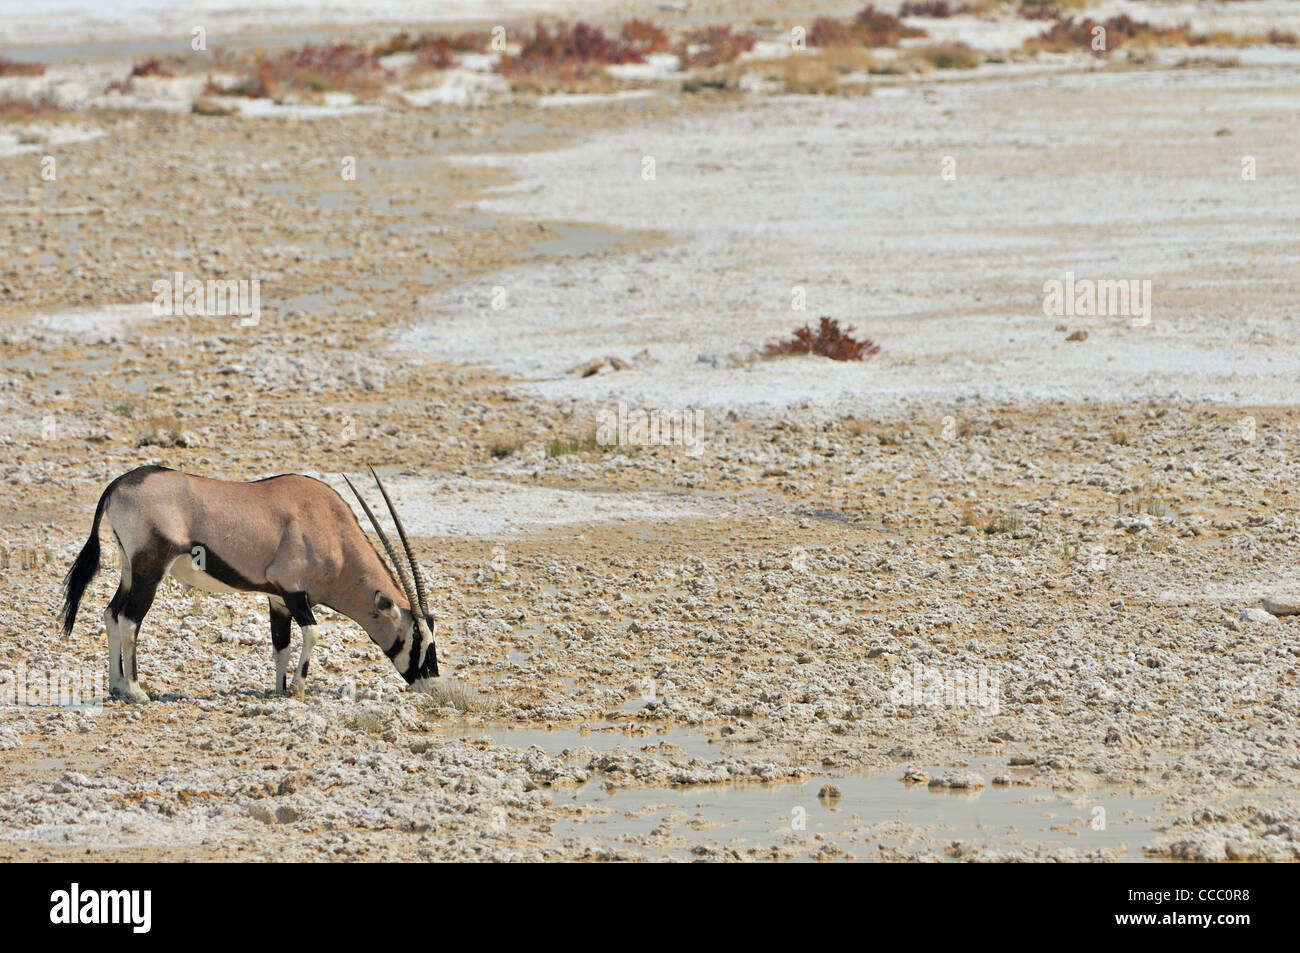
x: 436, y: 49
x: 1121, y: 31
x: 829, y: 340
x: 257, y: 86
x: 150, y: 67
x: 869, y: 27
x: 1039, y: 12
x: 643, y: 35
x: 16, y: 68
x: 581, y: 45
x: 939, y: 9
x: 715, y: 45
x: 332, y: 67
x: 325, y: 68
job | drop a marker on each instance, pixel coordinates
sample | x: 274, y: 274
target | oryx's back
x: 178, y: 507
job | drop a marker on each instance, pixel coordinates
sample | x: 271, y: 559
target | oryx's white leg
x: 129, y: 607
x: 280, y: 625
x: 113, y: 627
x: 300, y: 608
x: 300, y: 675
x: 129, y: 630
x: 116, y: 677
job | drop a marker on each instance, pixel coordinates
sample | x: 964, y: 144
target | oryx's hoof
x: 131, y: 693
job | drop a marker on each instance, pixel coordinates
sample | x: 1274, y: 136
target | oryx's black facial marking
x: 430, y: 667
x: 413, y: 667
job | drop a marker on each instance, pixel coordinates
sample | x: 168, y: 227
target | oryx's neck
x: 353, y: 592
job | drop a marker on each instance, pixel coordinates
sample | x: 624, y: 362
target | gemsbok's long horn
x: 402, y: 576
x: 406, y: 544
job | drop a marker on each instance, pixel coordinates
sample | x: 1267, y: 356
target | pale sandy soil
x: 1081, y: 523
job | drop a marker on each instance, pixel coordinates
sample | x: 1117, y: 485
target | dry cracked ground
x: 986, y: 597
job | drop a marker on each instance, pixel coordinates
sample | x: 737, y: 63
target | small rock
x: 829, y: 792
x: 1286, y: 605
x: 957, y: 781
x: 1256, y: 615
x: 287, y: 814
x: 1078, y: 336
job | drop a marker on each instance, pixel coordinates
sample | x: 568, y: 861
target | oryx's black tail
x: 84, y: 569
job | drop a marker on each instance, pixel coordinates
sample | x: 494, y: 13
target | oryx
x: 291, y: 537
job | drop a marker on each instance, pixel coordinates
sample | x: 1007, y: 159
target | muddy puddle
x: 871, y: 813
x: 872, y: 818
x: 600, y: 738
x: 576, y: 241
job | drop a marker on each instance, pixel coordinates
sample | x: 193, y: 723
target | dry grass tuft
x: 587, y: 443
x: 505, y: 445
x: 451, y: 692
x: 1003, y: 526
x: 207, y: 107
x: 44, y: 108
x: 810, y: 75
x: 165, y: 432
x: 370, y: 721
x: 946, y: 56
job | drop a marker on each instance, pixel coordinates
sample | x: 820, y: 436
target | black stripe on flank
x: 226, y: 574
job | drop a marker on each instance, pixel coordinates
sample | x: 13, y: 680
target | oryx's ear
x: 386, y: 607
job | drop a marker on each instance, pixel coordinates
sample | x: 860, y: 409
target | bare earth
x: 657, y: 620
